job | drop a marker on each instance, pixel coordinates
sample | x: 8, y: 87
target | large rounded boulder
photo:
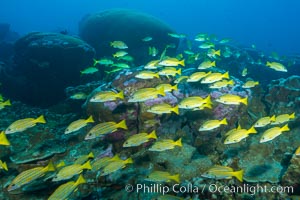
x: 130, y: 27
x: 45, y: 64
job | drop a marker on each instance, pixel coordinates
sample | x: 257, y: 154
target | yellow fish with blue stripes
x: 68, y: 172
x: 140, y: 138
x: 115, y: 166
x: 105, y: 96
x: 105, y: 128
x: 78, y: 124
x: 29, y: 175
x: 272, y: 133
x: 165, y: 144
x: 23, y: 124
x: 163, y: 108
x: 145, y: 94
x: 66, y: 189
x: 212, y: 124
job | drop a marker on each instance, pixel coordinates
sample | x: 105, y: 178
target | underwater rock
x: 283, y: 95
x: 179, y: 160
x: 6, y: 52
x: 46, y: 63
x: 39, y: 152
x: 291, y: 176
x: 259, y: 164
x: 128, y: 26
x: 4, y: 30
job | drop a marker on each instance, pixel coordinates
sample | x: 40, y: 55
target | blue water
x: 272, y: 25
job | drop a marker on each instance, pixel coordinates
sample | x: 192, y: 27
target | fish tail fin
x: 224, y: 121
x: 40, y: 119
x: 4, y: 166
x: 268, y: 63
x: 256, y: 82
x: 7, y: 103
x: 213, y: 64
x: 245, y: 101
x: 80, y: 180
x: 161, y: 91
x: 152, y: 135
x: 178, y: 142
x: 128, y: 160
x: 285, y: 128
x: 179, y: 71
x: 121, y: 95
x: 218, y: 52
x: 226, y: 75
x: 122, y: 124
x: 175, y: 87
x: 176, y: 109
x: 182, y: 63
x: 207, y: 100
x: 292, y: 116
x: 50, y: 167
x: 231, y: 82
x: 176, y: 178
x: 91, y: 155
x: 273, y: 118
x: 60, y: 164
x: 252, y: 130
x: 95, y: 62
x: 90, y: 119
x: 3, y: 139
x: 239, y: 175
x: 207, y: 105
x: 86, y: 165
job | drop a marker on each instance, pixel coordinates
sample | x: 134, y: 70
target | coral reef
x: 47, y: 72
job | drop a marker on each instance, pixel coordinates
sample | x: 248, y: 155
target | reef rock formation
x: 128, y: 26
x: 4, y: 29
x: 291, y: 176
x: 46, y: 63
x: 284, y: 95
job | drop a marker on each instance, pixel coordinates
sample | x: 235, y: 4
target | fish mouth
x: 11, y: 188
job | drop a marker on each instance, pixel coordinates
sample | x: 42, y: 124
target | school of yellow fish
x: 165, y: 66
